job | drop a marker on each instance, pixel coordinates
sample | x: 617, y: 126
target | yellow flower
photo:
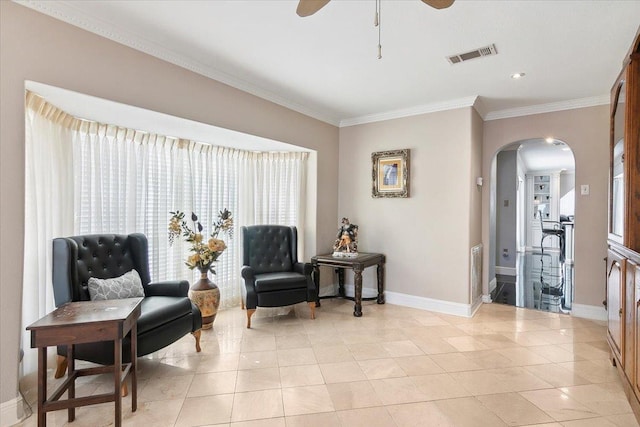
x: 216, y: 245
x: 193, y: 259
x: 174, y: 225
x: 197, y: 238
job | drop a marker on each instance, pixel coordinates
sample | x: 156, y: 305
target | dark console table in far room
x: 357, y: 264
x: 84, y: 322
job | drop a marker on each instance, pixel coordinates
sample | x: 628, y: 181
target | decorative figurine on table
x: 346, y: 244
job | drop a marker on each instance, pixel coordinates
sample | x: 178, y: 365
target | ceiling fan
x: 309, y: 7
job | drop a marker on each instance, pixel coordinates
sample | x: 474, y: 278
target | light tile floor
x: 394, y: 367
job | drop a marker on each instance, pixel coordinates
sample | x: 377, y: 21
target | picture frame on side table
x: 390, y: 173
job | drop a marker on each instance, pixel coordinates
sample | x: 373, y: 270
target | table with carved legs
x: 357, y: 264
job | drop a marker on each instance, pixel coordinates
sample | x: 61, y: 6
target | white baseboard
x: 11, y: 412
x: 430, y: 304
x: 507, y: 271
x: 476, y: 305
x: 492, y: 284
x: 592, y: 312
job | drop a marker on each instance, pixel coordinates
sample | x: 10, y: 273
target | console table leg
x: 117, y: 374
x: 133, y: 373
x: 380, y: 299
x: 357, y: 311
x: 42, y: 386
x: 340, y: 272
x: 71, y: 363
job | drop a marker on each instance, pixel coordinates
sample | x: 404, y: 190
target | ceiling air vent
x: 477, y: 53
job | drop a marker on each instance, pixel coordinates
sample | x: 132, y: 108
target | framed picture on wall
x: 390, y: 173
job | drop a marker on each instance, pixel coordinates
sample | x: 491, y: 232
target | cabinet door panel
x: 615, y: 303
x: 629, y: 319
x: 636, y: 379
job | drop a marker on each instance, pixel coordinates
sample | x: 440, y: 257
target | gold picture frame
x: 390, y: 173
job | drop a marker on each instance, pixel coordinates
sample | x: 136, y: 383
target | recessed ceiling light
x: 517, y: 76
x: 549, y: 140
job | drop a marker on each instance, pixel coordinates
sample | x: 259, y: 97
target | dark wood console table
x: 357, y: 264
x: 84, y: 322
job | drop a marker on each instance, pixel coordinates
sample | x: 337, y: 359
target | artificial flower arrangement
x: 204, y: 253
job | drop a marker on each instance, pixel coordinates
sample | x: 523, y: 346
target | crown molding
x: 548, y: 108
x: 66, y: 12
x: 411, y: 111
x: 480, y: 107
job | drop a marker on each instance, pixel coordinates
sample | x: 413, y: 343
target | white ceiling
x: 540, y: 155
x: 326, y: 65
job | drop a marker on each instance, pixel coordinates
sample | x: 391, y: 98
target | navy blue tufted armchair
x: 271, y: 271
x: 167, y: 313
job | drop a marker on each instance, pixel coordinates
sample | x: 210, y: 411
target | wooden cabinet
x: 623, y: 257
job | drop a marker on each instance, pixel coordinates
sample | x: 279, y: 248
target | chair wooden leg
x: 250, y: 312
x: 61, y: 367
x: 124, y: 391
x: 196, y: 335
x: 312, y: 306
x: 242, y: 303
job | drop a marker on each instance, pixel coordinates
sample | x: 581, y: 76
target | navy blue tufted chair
x: 167, y: 314
x: 271, y: 271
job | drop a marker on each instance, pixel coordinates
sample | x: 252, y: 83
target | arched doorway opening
x: 533, y: 199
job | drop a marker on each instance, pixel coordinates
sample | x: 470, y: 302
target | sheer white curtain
x: 129, y: 181
x: 49, y: 207
x: 273, y: 190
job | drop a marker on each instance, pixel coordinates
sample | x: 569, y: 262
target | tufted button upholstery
x: 270, y: 249
x: 167, y: 314
x: 272, y: 274
x: 104, y: 257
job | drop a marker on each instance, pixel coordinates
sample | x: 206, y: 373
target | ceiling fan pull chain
x: 378, y: 23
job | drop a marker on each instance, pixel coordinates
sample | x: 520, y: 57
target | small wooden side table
x: 85, y: 322
x: 357, y: 264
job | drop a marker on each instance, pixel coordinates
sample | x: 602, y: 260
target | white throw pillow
x: 129, y: 285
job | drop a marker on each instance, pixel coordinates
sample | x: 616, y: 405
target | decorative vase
x: 206, y: 295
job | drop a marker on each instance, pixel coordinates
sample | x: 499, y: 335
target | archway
x: 532, y: 207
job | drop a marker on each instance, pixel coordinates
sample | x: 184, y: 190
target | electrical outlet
x: 584, y: 190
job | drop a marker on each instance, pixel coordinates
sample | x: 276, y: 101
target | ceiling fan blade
x: 438, y: 4
x: 309, y: 7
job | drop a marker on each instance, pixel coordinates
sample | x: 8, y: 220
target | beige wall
x: 36, y: 47
x: 586, y: 131
x: 426, y: 236
x: 475, y: 213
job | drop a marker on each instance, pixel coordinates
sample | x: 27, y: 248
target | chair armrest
x: 249, y: 276
x: 306, y: 269
x: 247, y: 273
x: 303, y: 268
x: 171, y: 288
